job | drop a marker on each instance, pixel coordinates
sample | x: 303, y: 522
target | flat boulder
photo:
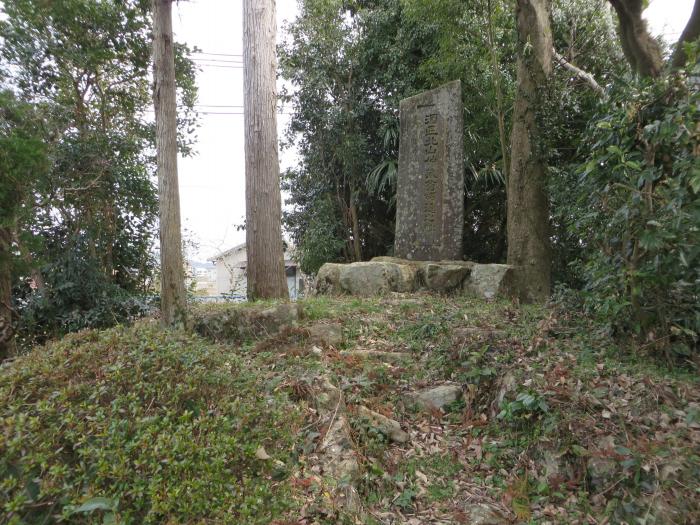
x: 366, y: 278
x: 488, y: 281
x: 235, y: 322
x: 437, y: 397
x: 328, y: 334
x: 384, y: 275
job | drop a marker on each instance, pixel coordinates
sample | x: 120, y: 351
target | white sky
x: 212, y: 183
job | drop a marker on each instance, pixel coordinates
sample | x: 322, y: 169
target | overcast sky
x: 212, y: 183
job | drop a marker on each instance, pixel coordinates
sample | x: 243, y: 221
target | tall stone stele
x: 430, y: 193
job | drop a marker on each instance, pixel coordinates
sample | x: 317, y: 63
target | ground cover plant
x: 139, y: 425
x: 556, y: 422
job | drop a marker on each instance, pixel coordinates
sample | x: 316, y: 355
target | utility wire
x: 219, y: 54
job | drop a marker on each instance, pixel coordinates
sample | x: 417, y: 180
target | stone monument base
x: 383, y: 275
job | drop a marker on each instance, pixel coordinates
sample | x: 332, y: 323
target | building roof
x: 288, y: 261
x: 228, y: 252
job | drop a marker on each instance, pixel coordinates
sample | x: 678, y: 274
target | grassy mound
x: 138, y: 425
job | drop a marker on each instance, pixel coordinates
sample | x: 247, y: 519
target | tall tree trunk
x: 173, y: 297
x: 642, y: 51
x: 265, y: 270
x: 528, y: 210
x: 6, y: 313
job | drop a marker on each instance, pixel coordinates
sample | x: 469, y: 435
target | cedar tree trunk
x: 528, y: 211
x: 173, y: 297
x: 265, y: 269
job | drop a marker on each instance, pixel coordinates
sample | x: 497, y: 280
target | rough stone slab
x: 329, y: 334
x: 430, y: 187
x: 488, y: 281
x: 366, y: 278
x: 483, y: 514
x: 437, y: 397
x: 436, y: 276
x: 238, y: 321
x: 376, y: 278
x: 328, y: 279
x: 387, y: 426
x: 444, y: 277
x: 384, y: 275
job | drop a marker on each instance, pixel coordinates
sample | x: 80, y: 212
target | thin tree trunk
x: 356, y: 242
x: 7, y: 345
x: 173, y: 297
x: 528, y: 210
x: 497, y: 86
x: 266, y: 278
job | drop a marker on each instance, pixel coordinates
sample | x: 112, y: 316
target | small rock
x: 329, y: 334
x: 385, y: 425
x: 437, y: 397
x: 483, y: 514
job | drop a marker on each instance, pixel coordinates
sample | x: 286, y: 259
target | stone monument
x: 430, y: 192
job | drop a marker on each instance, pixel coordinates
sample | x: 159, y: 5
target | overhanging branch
x: 578, y: 73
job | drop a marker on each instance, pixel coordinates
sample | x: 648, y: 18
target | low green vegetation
x: 557, y: 422
x: 138, y: 425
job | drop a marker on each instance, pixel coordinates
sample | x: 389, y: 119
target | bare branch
x: 578, y: 73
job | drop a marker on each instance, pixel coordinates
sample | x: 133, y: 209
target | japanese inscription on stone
x: 429, y: 209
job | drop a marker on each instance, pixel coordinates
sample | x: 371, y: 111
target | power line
x: 218, y: 60
x: 219, y: 54
x: 222, y: 67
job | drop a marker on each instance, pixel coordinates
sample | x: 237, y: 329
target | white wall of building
x: 230, y: 276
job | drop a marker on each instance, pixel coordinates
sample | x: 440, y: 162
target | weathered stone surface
x: 488, y: 281
x: 236, y: 322
x: 436, y: 276
x: 366, y: 278
x: 385, y: 425
x: 430, y: 189
x: 483, y: 514
x: 329, y: 334
x: 336, y: 453
x: 328, y: 279
x: 382, y: 275
x: 436, y: 397
x: 444, y: 277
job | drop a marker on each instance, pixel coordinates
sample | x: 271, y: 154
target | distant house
x: 231, y: 272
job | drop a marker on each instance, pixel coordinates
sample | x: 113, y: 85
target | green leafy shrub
x: 76, y: 295
x: 138, y: 425
x: 638, y: 213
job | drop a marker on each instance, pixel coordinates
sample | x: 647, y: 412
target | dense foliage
x: 83, y: 242
x: 352, y: 62
x: 638, y: 212
x: 136, y: 426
